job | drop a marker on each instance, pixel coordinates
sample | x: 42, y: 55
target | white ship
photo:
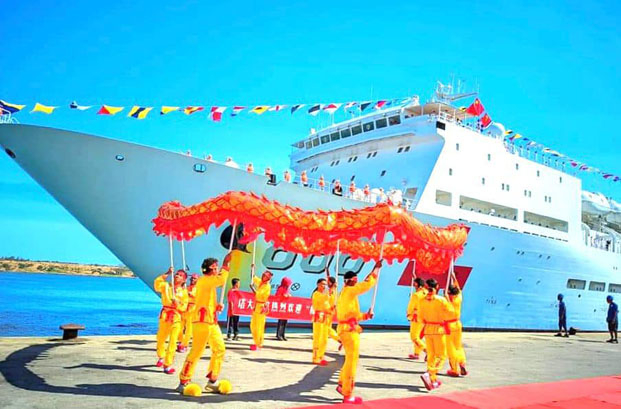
x: 534, y: 232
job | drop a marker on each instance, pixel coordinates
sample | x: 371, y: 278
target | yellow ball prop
x: 225, y: 387
x: 192, y: 390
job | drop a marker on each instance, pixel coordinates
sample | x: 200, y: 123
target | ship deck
x: 119, y: 371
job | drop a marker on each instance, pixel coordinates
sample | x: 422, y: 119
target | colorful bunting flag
x: 486, y: 121
x: 259, y: 109
x: 216, y: 113
x: 237, y: 109
x: 462, y: 109
x: 168, y: 109
x: 8, y: 108
x: 365, y: 105
x: 43, y: 108
x: 109, y: 110
x: 508, y: 132
x: 476, y: 108
x: 314, y: 110
x: 192, y: 109
x: 332, y: 108
x: 139, y: 112
x: 296, y: 107
x: 74, y: 105
x: 379, y: 104
x: 277, y: 108
x: 350, y: 105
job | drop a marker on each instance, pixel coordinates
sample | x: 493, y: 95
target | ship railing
x: 8, y: 119
x: 602, y: 241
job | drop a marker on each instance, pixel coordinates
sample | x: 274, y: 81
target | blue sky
x: 548, y: 70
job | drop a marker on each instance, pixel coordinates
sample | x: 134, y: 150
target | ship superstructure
x: 531, y: 236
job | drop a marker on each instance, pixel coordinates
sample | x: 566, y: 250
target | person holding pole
x: 412, y: 314
x: 188, y: 315
x: 321, y: 309
x: 261, y: 288
x: 454, y: 346
x: 349, y: 316
x: 205, y: 326
x: 433, y: 313
x: 174, y: 304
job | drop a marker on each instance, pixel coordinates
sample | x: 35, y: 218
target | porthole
x: 200, y: 168
x: 120, y: 158
x: 383, y: 173
x: 10, y: 153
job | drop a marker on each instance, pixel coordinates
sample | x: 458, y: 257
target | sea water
x: 37, y: 304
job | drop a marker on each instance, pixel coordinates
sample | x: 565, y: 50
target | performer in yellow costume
x: 174, y: 304
x: 349, y: 315
x: 261, y: 287
x: 433, y: 313
x: 188, y: 316
x: 321, y: 307
x: 454, y: 347
x: 412, y: 314
x: 205, y: 324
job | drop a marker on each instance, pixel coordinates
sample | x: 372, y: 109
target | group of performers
x: 191, y: 312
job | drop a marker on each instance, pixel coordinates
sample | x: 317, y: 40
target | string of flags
x: 215, y: 113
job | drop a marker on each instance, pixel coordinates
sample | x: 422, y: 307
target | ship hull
x: 114, y: 189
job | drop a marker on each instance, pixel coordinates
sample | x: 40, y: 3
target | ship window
x: 356, y: 130
x: 444, y: 198
x: 120, y: 158
x: 369, y: 126
x: 450, y: 172
x: 337, y: 162
x: 560, y: 179
x: 325, y: 138
x: 400, y: 149
x: 394, y: 120
x: 597, y: 286
x: 508, y: 187
x: 544, y: 221
x: 199, y: 167
x: 440, y: 125
x: 315, y: 142
x: 482, y: 181
x: 492, y: 209
x: 503, y: 186
x: 489, y: 156
x: 369, y: 155
x: 383, y: 173
x: 355, y: 158
x: 346, y: 133
x: 335, y: 136
x: 517, y: 166
x: 309, y: 145
x: 352, y: 178
x: 381, y: 123
x: 614, y: 288
x: 525, y: 193
x: 530, y: 193
x: 407, y: 149
x: 537, y: 173
x: 576, y: 284
x: 375, y: 154
x: 456, y: 146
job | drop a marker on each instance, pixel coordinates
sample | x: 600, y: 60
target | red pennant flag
x: 379, y: 104
x: 476, y: 108
x: 486, y: 121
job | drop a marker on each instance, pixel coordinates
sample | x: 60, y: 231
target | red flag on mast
x: 485, y: 121
x: 476, y: 108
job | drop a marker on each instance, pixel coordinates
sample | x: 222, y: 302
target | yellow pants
x: 204, y: 334
x: 419, y: 345
x: 331, y: 332
x: 436, y: 354
x: 454, y: 347
x: 257, y: 326
x: 320, y: 341
x: 351, y: 343
x: 167, y: 331
x: 187, y: 328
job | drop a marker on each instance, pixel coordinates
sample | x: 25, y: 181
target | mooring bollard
x: 70, y: 331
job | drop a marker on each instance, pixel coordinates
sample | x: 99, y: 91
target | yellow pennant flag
x: 109, y: 110
x: 260, y: 109
x: 165, y: 110
x: 43, y: 108
x: 139, y: 112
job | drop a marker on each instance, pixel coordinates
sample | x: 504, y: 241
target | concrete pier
x: 120, y: 372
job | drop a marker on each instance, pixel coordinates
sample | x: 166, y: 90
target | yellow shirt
x: 347, y: 306
x: 180, y: 300
x: 321, y: 305
x: 433, y: 311
x: 262, y: 290
x: 412, y: 309
x: 455, y: 313
x: 207, y: 298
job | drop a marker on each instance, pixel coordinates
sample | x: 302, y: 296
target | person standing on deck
x: 233, y: 320
x: 261, y: 288
x: 174, y: 304
x: 562, y: 317
x: 188, y: 315
x: 349, y: 316
x: 205, y: 325
x: 412, y: 315
x: 433, y: 313
x: 612, y: 319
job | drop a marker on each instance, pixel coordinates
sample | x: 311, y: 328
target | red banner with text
x: 290, y: 308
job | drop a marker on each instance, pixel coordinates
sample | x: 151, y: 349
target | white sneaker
x: 213, y: 386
